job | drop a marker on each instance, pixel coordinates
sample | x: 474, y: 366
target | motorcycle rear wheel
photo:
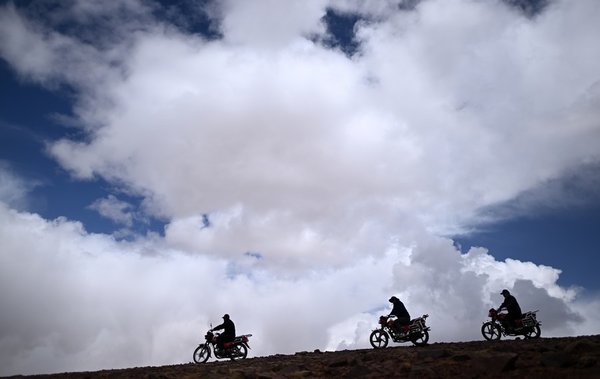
x: 240, y: 352
x: 490, y: 331
x: 201, y: 354
x: 420, y: 339
x: 378, y: 339
x: 534, y: 332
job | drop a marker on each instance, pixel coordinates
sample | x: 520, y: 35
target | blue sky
x: 567, y: 239
x: 312, y: 163
x: 31, y: 119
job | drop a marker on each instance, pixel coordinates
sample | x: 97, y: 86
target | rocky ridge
x: 567, y: 357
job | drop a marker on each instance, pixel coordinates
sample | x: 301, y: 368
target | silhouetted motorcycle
x: 416, y: 332
x: 237, y: 349
x: 528, y: 326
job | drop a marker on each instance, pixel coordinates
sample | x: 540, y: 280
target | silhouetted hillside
x: 569, y: 357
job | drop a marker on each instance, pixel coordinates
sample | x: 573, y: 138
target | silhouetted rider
x: 512, y: 306
x: 399, y: 310
x: 228, y: 333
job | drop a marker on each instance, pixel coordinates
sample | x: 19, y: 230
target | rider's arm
x: 503, y: 305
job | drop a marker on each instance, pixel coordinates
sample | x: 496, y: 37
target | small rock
x: 586, y: 362
x: 358, y: 372
x: 237, y: 374
x: 301, y: 374
x: 556, y: 359
x: 290, y: 369
x: 422, y: 372
x: 341, y: 363
x: 494, y: 362
x: 461, y: 357
x: 434, y: 354
x: 405, y: 367
x: 578, y: 347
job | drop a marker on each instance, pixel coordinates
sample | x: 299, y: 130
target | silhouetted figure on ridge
x: 228, y: 333
x: 512, y: 306
x: 399, y: 310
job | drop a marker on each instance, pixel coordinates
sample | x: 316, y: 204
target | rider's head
x: 505, y: 292
x: 393, y: 299
x: 226, y: 316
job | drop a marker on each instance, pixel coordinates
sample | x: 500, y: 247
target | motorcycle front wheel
x: 378, y: 339
x: 534, y: 332
x: 420, y: 339
x: 239, y: 352
x: 201, y: 354
x: 490, y: 331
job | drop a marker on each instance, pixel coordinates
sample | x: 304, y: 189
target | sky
x: 293, y: 164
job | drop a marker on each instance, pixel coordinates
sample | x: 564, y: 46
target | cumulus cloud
x: 271, y: 23
x: 114, y: 209
x: 45, y: 62
x: 100, y: 297
x: 338, y: 175
x: 112, y: 304
x: 254, y: 126
x: 14, y: 190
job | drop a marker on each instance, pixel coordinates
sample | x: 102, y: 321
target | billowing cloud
x: 115, y: 304
x: 301, y: 187
x: 438, y: 117
x: 114, y: 209
x: 271, y: 23
x: 14, y: 190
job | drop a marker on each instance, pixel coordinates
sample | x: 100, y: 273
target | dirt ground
x: 569, y: 357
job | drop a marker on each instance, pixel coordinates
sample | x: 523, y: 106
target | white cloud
x: 14, y: 190
x: 108, y: 304
x: 271, y: 23
x: 439, y: 117
x: 16, y: 36
x: 339, y: 175
x: 114, y: 209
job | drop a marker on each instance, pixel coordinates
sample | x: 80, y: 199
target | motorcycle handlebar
x: 394, y: 316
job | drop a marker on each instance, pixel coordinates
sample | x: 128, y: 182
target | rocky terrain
x: 570, y: 357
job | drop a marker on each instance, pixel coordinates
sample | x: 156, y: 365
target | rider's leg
x: 402, y: 323
x: 511, y: 320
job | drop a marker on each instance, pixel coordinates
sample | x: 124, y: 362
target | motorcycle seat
x: 396, y: 323
x: 419, y: 318
x: 242, y: 338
